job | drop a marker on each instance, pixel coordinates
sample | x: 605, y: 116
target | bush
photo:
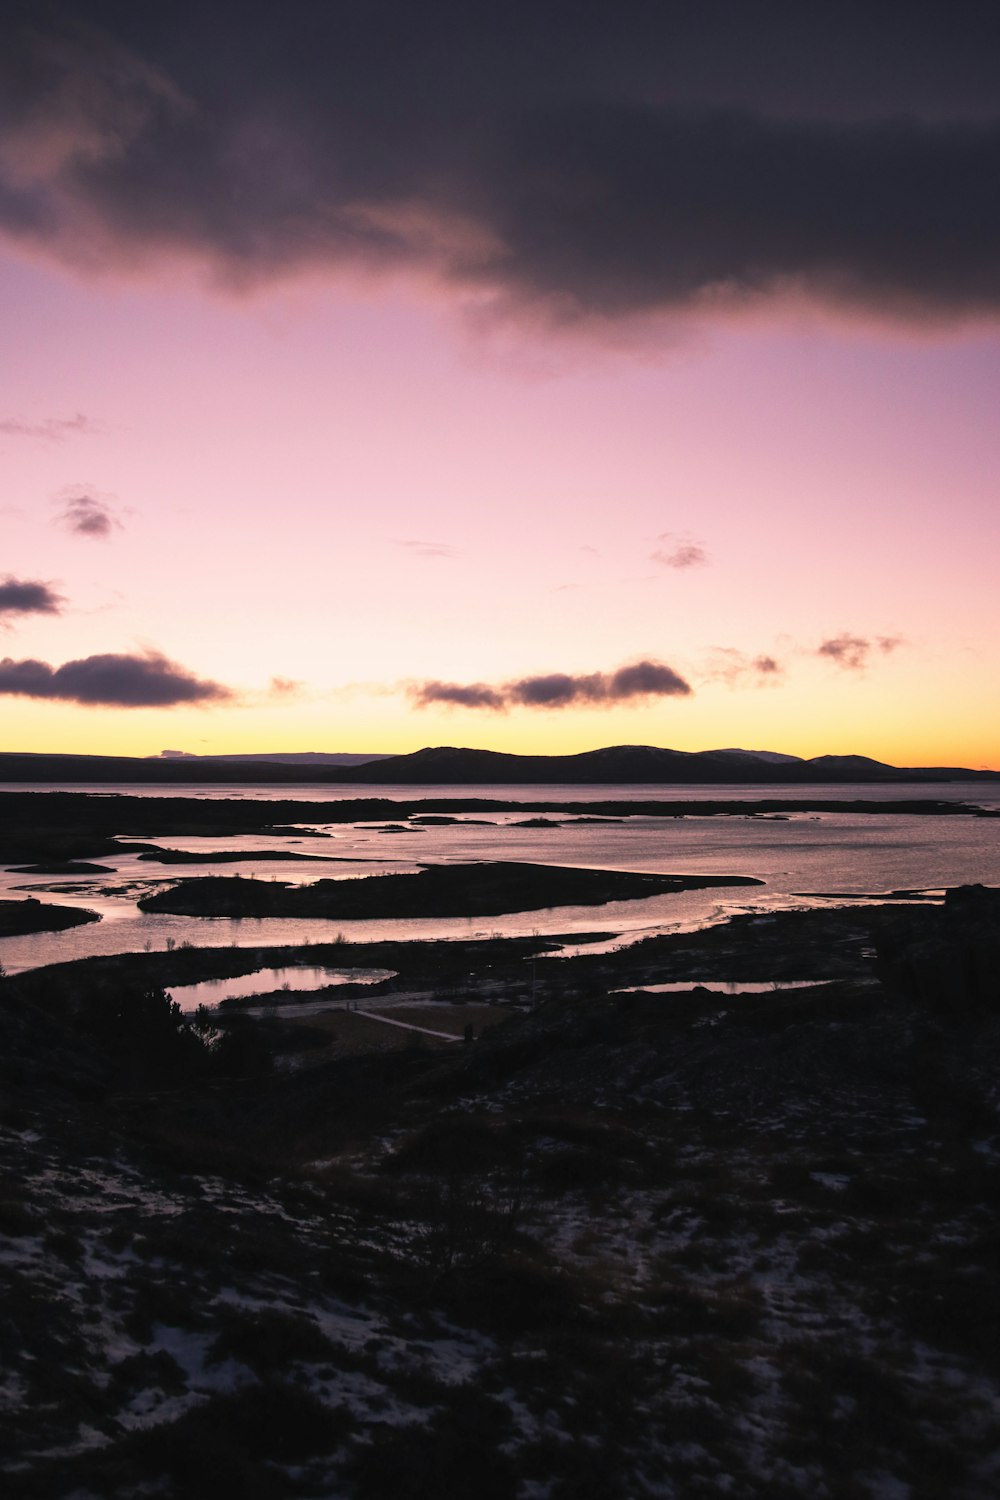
x: 268, y: 1340
x: 140, y: 1030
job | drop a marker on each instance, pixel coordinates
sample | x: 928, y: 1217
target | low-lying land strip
x: 38, y: 826
x: 487, y: 888
x: 29, y: 915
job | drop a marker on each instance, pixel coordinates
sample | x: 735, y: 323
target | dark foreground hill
x: 623, y: 1245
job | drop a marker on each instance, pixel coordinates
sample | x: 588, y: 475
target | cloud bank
x: 591, y: 161
x: 558, y: 690
x: 24, y: 596
x: 146, y: 681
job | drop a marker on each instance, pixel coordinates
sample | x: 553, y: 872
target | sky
x: 537, y: 377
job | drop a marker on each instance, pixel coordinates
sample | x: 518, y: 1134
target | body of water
x: 307, y: 978
x: 982, y: 793
x: 801, y: 858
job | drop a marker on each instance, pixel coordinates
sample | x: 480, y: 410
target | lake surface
x: 800, y: 857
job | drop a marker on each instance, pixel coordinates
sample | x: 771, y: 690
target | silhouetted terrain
x: 42, y: 827
x: 30, y: 915
x: 622, y: 1243
x: 488, y: 888
x: 445, y: 765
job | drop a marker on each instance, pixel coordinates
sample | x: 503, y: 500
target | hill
x: 448, y: 765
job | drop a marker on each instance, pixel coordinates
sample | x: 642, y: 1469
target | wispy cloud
x: 148, y: 680
x: 49, y: 429
x: 558, y: 690
x: 419, y: 548
x: 90, y: 516
x: 679, y: 552
x: 853, y: 652
x: 767, y: 666
x: 28, y: 596
x: 739, y: 669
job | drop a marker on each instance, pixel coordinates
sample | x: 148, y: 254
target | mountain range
x: 454, y: 766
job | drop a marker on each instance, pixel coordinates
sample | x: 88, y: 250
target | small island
x: 30, y: 915
x: 491, y: 888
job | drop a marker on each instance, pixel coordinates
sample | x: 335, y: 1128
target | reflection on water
x: 266, y: 981
x: 720, y: 986
x: 798, y: 859
x: 985, y: 793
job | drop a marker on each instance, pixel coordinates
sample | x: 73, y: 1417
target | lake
x: 800, y: 857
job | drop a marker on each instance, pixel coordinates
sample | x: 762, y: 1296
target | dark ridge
x: 450, y: 765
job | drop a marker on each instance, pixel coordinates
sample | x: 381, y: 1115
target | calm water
x: 306, y: 978
x: 983, y: 794
x: 720, y: 986
x: 798, y: 858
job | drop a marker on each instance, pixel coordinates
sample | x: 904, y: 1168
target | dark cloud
x: 647, y: 679
x: 458, y: 695
x: 24, y: 596
x: 147, y: 681
x: 600, y: 160
x: 642, y: 679
x: 50, y: 429
x: 89, y: 515
x: 679, y: 552
x: 853, y: 651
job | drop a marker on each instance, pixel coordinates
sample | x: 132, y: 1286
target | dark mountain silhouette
x: 643, y: 764
x: 281, y: 757
x: 774, y: 756
x: 448, y: 765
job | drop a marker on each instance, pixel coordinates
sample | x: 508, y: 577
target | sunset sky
x: 533, y: 376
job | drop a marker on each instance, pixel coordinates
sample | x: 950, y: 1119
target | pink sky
x: 353, y: 493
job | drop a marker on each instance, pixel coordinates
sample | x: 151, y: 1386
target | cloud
x: 679, y: 552
x: 284, y: 687
x: 640, y: 680
x: 730, y: 665
x: 146, y: 681
x: 23, y: 596
x: 853, y: 651
x: 628, y: 160
x: 428, y: 549
x: 89, y: 515
x: 50, y: 429
x: 458, y: 695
